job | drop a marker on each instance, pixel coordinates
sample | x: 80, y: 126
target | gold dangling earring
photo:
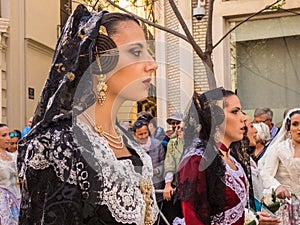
x: 101, y: 85
x: 101, y: 88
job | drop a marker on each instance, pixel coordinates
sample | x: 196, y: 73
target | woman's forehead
x: 232, y: 101
x: 128, y: 32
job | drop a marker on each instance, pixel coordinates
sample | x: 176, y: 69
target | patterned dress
x: 9, y: 193
x: 80, y: 181
x: 192, y: 179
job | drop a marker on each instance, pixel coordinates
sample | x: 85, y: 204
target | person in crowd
x: 172, y: 208
x: 9, y: 190
x: 282, y: 170
x: 265, y: 115
x: 241, y: 151
x: 78, y: 166
x: 156, y: 151
x: 15, y: 136
x: 156, y: 132
x: 174, y: 120
x: 211, y: 183
x: 26, y: 129
x: 262, y: 138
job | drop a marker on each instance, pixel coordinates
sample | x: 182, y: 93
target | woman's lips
x: 147, y: 82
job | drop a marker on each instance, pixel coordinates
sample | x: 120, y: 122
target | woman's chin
x: 138, y: 96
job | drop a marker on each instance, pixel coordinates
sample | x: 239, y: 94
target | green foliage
x: 278, y: 6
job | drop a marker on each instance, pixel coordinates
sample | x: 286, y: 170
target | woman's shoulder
x: 197, y: 148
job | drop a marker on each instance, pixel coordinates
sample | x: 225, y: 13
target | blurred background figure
x: 156, y: 151
x: 262, y: 138
x: 26, y: 129
x: 9, y: 191
x: 265, y: 115
x: 281, y: 169
x: 172, y: 209
x: 174, y: 120
x: 156, y: 132
x: 15, y: 136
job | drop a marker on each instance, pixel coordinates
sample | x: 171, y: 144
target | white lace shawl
x: 120, y: 191
x: 233, y: 180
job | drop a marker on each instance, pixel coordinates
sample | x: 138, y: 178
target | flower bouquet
x: 250, y: 217
x: 270, y: 201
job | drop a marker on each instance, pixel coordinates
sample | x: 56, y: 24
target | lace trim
x: 121, y: 191
x: 291, y: 164
x: 50, y: 149
x: 234, y: 180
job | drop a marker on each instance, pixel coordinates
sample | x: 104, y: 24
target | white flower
x: 250, y: 217
x: 267, y: 197
x: 270, y: 201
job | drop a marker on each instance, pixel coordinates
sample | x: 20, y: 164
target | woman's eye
x: 136, y: 53
x: 295, y: 124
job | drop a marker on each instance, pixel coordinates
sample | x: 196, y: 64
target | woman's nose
x: 151, y: 64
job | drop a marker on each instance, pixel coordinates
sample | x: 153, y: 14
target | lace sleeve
x: 192, y: 191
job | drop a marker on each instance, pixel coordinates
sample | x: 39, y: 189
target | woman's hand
x: 282, y: 192
x: 266, y: 219
x: 168, y: 191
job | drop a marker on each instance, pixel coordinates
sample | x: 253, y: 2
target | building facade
x: 27, y: 50
x: 258, y: 59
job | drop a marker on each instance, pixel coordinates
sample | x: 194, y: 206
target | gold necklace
x: 113, y: 141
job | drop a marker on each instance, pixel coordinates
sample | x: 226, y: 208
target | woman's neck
x: 296, y: 145
x: 258, y: 149
x: 224, y: 149
x: 106, y: 115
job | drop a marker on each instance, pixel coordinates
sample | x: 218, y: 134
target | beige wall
x: 42, y: 18
x: 38, y: 61
x: 32, y: 38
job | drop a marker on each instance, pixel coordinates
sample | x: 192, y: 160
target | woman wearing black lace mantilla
x: 77, y: 166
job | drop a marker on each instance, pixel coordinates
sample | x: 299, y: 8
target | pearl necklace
x: 113, y: 141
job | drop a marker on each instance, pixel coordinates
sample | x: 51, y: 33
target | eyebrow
x: 236, y: 108
x: 138, y: 44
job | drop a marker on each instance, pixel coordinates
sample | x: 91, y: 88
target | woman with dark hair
x: 211, y: 183
x: 281, y: 169
x: 9, y: 190
x: 78, y: 166
x: 241, y: 151
x: 15, y: 136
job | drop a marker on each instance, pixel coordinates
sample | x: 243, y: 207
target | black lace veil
x: 204, y: 115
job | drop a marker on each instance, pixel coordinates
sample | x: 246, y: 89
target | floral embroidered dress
x: 9, y: 192
x: 194, y: 193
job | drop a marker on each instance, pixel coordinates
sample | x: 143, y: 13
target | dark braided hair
x: 240, y: 151
x: 203, y: 117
